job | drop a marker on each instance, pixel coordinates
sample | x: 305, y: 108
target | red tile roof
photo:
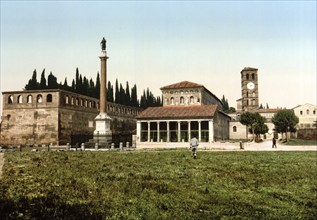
x: 182, y: 85
x: 178, y: 112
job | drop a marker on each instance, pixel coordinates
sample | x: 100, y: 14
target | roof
x: 178, y: 112
x: 183, y: 85
x: 249, y: 69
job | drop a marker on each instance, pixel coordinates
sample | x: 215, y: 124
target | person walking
x: 193, y: 145
x: 274, y: 143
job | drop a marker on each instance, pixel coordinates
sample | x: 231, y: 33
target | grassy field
x: 159, y: 185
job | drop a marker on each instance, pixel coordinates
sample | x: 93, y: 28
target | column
x: 189, y: 131
x: 211, y: 130
x: 178, y: 131
x: 148, y: 131
x: 138, y: 131
x: 168, y: 131
x: 199, y: 131
x: 158, y: 131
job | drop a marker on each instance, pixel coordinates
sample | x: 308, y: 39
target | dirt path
x: 1, y: 162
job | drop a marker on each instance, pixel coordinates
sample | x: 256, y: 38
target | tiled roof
x: 249, y: 68
x: 178, y: 112
x: 182, y: 85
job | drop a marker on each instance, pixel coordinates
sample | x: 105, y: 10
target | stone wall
x: 58, y: 117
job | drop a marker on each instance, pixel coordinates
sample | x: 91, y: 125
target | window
x: 66, y: 99
x: 182, y: 100
x: 10, y: 99
x: 252, y: 76
x: 234, y: 128
x: 247, y: 76
x: 19, y: 99
x: 307, y: 111
x: 301, y: 112
x: 172, y: 101
x: 314, y: 112
x: 72, y: 101
x: 191, y: 99
x: 49, y: 98
x: 29, y: 99
x: 39, y: 99
x: 77, y: 101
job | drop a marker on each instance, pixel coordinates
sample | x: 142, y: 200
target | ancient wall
x: 58, y: 117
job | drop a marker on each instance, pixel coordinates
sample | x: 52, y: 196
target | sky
x: 157, y: 43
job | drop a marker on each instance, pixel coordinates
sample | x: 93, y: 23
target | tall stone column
x: 103, y: 133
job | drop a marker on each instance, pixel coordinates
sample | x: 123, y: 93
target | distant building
x: 188, y: 110
x: 307, y: 115
x: 57, y: 116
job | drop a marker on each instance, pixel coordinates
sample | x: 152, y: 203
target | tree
x: 97, y: 87
x: 32, y: 84
x: 109, y: 92
x: 43, y: 80
x: 52, y: 81
x: 127, y: 100
x: 225, y: 104
x: 285, y: 121
x: 134, y: 97
x: 255, y: 123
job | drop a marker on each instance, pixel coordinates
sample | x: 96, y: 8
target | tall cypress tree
x: 32, y: 84
x: 97, y: 87
x: 109, y: 92
x: 127, y: 95
x: 43, y: 80
x: 134, y: 97
x: 52, y: 81
x: 117, y: 95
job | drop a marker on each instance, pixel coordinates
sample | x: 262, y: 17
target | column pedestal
x: 103, y: 133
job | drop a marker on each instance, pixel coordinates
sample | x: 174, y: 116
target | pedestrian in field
x: 193, y: 145
x: 274, y: 143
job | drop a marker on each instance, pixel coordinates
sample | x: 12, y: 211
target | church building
x: 189, y: 110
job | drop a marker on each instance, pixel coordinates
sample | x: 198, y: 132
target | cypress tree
x: 52, y: 81
x: 117, y: 95
x: 97, y: 87
x: 127, y: 95
x: 43, y: 80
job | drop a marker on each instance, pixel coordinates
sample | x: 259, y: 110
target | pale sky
x: 157, y: 43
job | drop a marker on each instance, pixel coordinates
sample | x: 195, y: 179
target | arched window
x: 10, y: 99
x: 191, y: 99
x: 234, y: 128
x: 247, y: 76
x: 253, y: 76
x: 307, y: 111
x: 39, y: 99
x: 72, y: 102
x: 253, y: 94
x: 67, y: 99
x: 181, y: 100
x: 49, y: 98
x: 77, y: 101
x: 172, y: 101
x: 19, y: 99
x: 29, y: 99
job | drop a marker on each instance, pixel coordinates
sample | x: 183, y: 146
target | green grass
x: 159, y: 185
x: 302, y: 142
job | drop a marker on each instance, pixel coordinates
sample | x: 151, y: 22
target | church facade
x: 189, y: 110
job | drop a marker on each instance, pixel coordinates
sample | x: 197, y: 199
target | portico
x: 181, y: 130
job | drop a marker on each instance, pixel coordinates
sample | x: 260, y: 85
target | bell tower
x: 249, y: 89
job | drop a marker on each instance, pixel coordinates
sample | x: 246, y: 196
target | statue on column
x: 103, y: 44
